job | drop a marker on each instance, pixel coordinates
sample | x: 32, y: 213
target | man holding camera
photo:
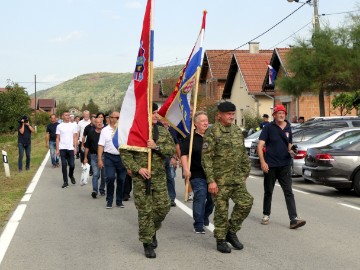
x: 276, y: 164
x: 24, y: 141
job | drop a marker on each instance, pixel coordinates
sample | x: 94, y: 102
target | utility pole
x: 316, y: 16
x: 316, y: 22
x: 35, y: 106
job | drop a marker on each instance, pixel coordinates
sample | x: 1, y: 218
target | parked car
x: 249, y: 139
x: 336, y: 165
x: 331, y: 122
x: 299, y: 135
x: 317, y: 141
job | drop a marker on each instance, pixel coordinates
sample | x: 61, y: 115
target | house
x: 2, y: 90
x: 306, y: 105
x: 244, y: 83
x: 44, y: 105
x: 213, y: 75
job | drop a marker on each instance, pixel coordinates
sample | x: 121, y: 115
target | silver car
x: 318, y: 141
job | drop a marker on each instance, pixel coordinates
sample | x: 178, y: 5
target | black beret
x: 155, y: 107
x: 226, y: 106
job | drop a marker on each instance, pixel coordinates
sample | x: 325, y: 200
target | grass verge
x: 12, y: 189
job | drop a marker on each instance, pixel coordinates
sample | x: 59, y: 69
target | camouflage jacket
x: 134, y: 160
x: 224, y: 157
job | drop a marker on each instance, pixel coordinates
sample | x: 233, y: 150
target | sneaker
x: 120, y: 205
x: 190, y: 197
x: 93, y: 194
x: 72, y: 180
x: 199, y: 231
x: 108, y: 205
x: 173, y: 204
x: 265, y: 220
x: 297, y: 223
x: 102, y: 193
x: 65, y: 185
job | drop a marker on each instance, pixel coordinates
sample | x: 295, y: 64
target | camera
x: 24, y: 119
x: 294, y: 148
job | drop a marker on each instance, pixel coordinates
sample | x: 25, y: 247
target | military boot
x: 154, y: 242
x: 222, y: 246
x: 149, y: 251
x: 233, y: 240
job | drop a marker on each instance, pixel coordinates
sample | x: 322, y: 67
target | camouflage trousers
x: 152, y: 209
x: 243, y: 203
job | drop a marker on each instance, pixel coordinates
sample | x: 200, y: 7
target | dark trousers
x: 114, y: 169
x: 283, y: 175
x: 127, y: 185
x: 27, y: 149
x: 67, y: 158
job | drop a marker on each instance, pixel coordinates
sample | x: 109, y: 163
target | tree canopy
x: 14, y: 103
x: 326, y: 62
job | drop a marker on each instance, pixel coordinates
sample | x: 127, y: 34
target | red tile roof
x: 46, y: 103
x: 253, y: 67
x: 281, y: 52
x: 2, y: 90
x: 216, y: 62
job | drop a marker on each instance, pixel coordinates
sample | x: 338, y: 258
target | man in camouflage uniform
x: 227, y: 166
x: 152, y: 208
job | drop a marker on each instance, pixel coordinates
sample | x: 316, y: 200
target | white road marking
x: 350, y: 206
x: 11, y: 226
x: 189, y: 211
x: 294, y: 189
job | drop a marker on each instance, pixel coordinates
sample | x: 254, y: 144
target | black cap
x: 226, y: 106
x: 265, y: 115
x: 155, y: 107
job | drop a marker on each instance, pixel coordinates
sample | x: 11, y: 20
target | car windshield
x: 322, y: 136
x: 254, y: 135
x: 345, y: 142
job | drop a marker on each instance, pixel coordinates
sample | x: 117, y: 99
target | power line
x: 291, y: 34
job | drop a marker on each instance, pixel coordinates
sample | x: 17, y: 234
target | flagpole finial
x: 205, y: 11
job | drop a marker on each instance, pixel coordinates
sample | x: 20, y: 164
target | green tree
x: 61, y: 107
x: 13, y: 104
x: 319, y: 65
x: 346, y: 102
x: 92, y: 107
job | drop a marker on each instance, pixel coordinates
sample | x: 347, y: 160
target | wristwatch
x: 157, y: 148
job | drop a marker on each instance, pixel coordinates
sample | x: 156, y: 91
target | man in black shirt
x: 51, y: 140
x: 24, y: 141
x: 202, y: 203
x: 91, y: 148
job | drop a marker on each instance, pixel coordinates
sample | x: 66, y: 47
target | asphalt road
x: 67, y: 229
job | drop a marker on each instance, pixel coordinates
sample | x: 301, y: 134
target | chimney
x: 254, y: 47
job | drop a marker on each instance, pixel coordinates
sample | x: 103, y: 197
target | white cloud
x: 70, y: 36
x: 133, y: 4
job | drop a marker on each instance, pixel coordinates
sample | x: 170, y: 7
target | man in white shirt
x: 66, y: 143
x: 81, y: 127
x: 112, y: 163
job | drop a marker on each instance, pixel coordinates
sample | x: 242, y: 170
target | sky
x: 57, y: 40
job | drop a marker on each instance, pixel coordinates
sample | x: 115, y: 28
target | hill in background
x: 106, y: 89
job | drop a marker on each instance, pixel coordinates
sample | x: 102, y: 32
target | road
x: 67, y: 229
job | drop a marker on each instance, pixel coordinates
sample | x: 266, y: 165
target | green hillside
x: 106, y: 89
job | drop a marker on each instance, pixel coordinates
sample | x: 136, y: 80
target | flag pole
x: 150, y: 93
x: 192, y: 130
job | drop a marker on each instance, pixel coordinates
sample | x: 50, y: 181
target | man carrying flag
x: 144, y: 145
x: 152, y: 208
